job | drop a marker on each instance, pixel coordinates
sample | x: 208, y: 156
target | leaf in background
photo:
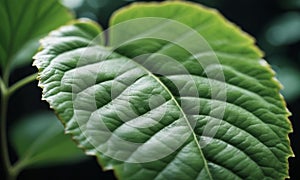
x: 72, y: 4
x: 290, y: 78
x: 39, y: 140
x: 284, y: 30
x: 289, y: 75
x: 156, y: 104
x: 23, y: 21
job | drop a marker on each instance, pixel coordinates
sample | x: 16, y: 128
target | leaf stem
x: 21, y: 83
x: 11, y: 171
x: 18, y: 167
x: 4, y: 145
x: 2, y: 87
x: 5, y: 75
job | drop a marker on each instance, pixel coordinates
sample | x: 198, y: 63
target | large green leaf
x: 40, y: 141
x: 22, y: 23
x: 178, y: 93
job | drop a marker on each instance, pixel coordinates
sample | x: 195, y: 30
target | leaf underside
x: 149, y: 117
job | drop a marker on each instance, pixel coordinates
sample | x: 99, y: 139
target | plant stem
x: 6, y: 75
x: 18, y: 167
x: 4, y: 145
x: 10, y: 171
x: 21, y: 83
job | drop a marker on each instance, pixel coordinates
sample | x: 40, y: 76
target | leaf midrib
x: 180, y: 109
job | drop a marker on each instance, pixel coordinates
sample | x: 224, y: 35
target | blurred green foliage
x: 39, y: 140
x: 284, y: 30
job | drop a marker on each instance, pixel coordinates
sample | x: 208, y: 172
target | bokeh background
x: 274, y: 23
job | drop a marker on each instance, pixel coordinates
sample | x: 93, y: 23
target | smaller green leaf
x: 40, y: 141
x: 22, y: 24
x: 24, y: 55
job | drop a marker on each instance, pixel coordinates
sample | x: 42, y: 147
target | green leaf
x: 178, y: 93
x: 22, y: 24
x: 39, y: 140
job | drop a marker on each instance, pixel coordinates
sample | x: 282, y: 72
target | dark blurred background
x: 274, y: 23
